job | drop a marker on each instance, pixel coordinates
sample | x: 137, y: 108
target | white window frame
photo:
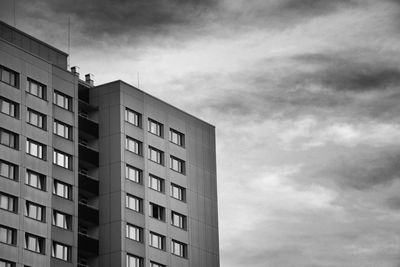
x: 8, y: 202
x: 178, y: 248
x: 60, y: 251
x: 35, y: 211
x: 62, y: 159
x: 133, y: 203
x: 62, y: 100
x: 178, y: 220
x: 133, y: 261
x: 36, y: 119
x: 157, y: 241
x: 8, y: 170
x: 133, y: 145
x: 156, y: 155
x: 34, y: 243
x: 8, y: 138
x: 62, y: 129
x: 8, y: 107
x: 176, y: 137
x: 134, y: 232
x: 155, y: 127
x: 156, y: 183
x: 133, y: 117
x: 35, y: 180
x: 177, y: 192
x: 35, y: 88
x: 35, y: 149
x: 133, y: 174
x: 62, y: 189
x: 61, y: 219
x: 7, y: 235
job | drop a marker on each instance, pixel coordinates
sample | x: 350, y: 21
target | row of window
x: 155, y: 155
x: 155, y: 211
x: 35, y: 88
x: 35, y: 211
x: 154, y: 127
x: 35, y: 149
x: 155, y: 240
x: 34, y: 243
x: 136, y: 175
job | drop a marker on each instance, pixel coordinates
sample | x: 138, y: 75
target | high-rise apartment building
x: 102, y: 175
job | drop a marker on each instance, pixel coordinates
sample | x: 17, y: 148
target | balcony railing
x: 89, y: 155
x: 88, y: 213
x: 88, y: 184
x: 88, y: 244
x: 88, y: 127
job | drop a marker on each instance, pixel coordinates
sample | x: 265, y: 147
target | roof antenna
x: 69, y: 40
x: 138, y: 80
x: 15, y: 25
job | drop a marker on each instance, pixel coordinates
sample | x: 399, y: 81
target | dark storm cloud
x: 360, y: 172
x: 114, y: 18
x: 341, y: 73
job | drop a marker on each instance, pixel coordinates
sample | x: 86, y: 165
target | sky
x: 304, y: 96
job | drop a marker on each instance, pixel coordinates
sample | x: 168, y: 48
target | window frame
x: 14, y: 167
x: 181, y: 164
x: 65, y: 188
x: 66, y: 221
x: 36, y: 214
x: 160, y: 211
x: 41, y: 119
x: 66, y: 99
x: 66, y: 159
x: 183, y: 248
x: 182, y: 224
x: 67, y: 129
x: 41, y: 89
x: 138, y: 208
x: 138, y: 174
x: 40, y: 243
x: 10, y: 235
x: 138, y: 260
x: 14, y: 110
x: 160, y: 244
x: 159, y: 183
x: 157, y: 130
x: 138, y: 232
x: 137, y: 121
x: 42, y: 150
x: 137, y: 145
x: 66, y: 251
x: 41, y: 178
x: 14, y: 201
x: 13, y: 139
x: 181, y: 188
x: 156, y: 264
x: 159, y: 152
x: 11, y: 72
x: 181, y: 137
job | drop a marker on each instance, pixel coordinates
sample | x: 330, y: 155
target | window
x: 134, y: 145
x: 62, y: 159
x: 8, y: 202
x: 178, y: 192
x: 133, y: 117
x: 155, y: 127
x: 133, y: 174
x: 62, y: 190
x: 35, y: 149
x: 157, y: 212
x: 156, y: 240
x: 35, y: 179
x: 8, y: 138
x: 4, y: 263
x: 61, y: 251
x: 8, y: 235
x: 9, y: 107
x: 133, y: 261
x: 156, y: 155
x: 134, y: 203
x: 178, y: 248
x: 62, y: 220
x: 8, y: 170
x: 62, y: 100
x: 155, y: 264
x: 9, y: 76
x: 37, y: 89
x: 35, y: 211
x: 156, y: 183
x: 178, y: 220
x: 177, y: 165
x: 133, y: 232
x: 62, y: 129
x: 176, y: 137
x: 36, y: 119
x: 34, y: 243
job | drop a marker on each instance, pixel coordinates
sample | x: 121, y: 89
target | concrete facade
x: 97, y: 208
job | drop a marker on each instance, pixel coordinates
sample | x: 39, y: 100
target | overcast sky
x: 305, y: 98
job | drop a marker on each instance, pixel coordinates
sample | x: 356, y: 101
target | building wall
x: 30, y: 66
x: 199, y: 180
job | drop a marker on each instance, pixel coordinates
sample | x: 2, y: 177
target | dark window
x: 157, y: 212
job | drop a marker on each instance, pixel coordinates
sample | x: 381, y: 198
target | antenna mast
x: 14, y: 14
x: 69, y: 40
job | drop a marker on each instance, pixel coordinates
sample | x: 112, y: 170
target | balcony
x: 88, y: 156
x: 88, y: 214
x: 88, y: 184
x: 88, y: 244
x: 88, y: 128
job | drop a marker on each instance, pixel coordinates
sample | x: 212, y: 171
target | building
x: 102, y: 175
